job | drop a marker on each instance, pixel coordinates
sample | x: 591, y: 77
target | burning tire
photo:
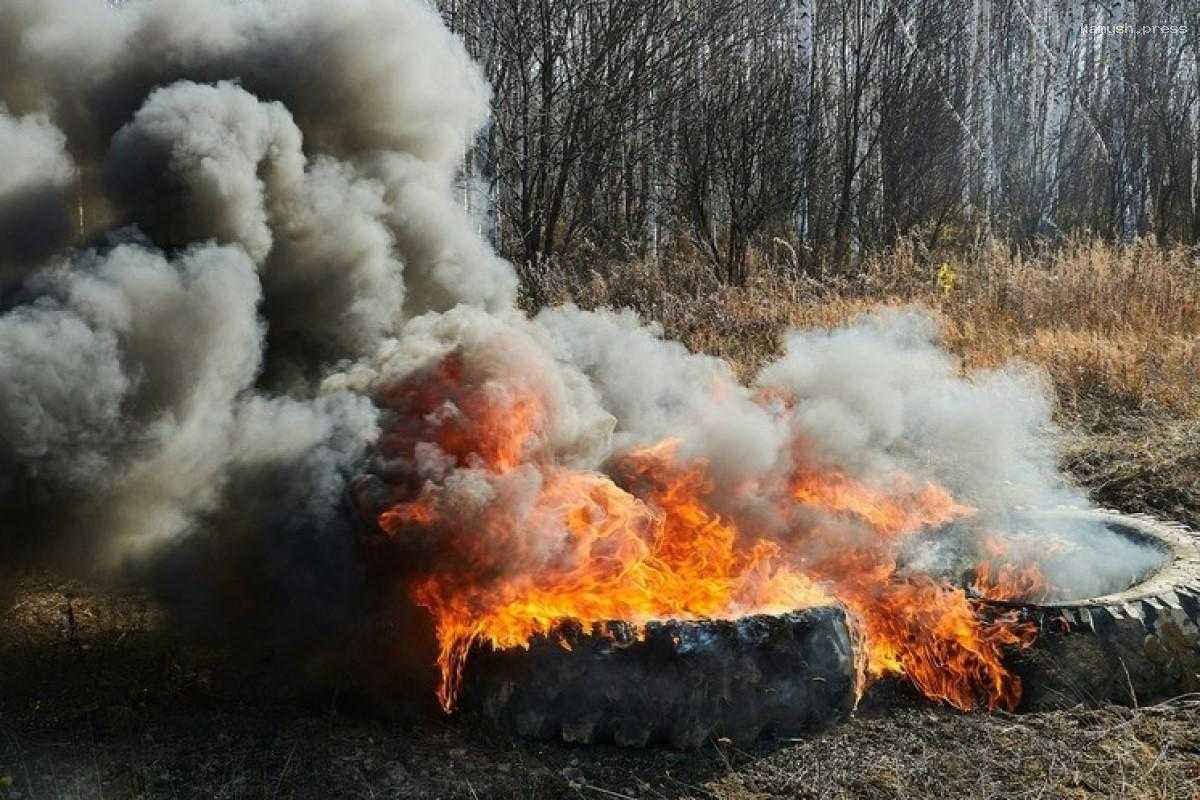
x: 1143, y: 637
x: 680, y: 683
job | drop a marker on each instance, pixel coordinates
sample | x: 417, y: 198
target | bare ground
x: 99, y: 698
x: 256, y: 752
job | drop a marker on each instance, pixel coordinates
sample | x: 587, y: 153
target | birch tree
x: 717, y: 126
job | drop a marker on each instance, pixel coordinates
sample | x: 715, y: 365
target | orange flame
x: 1007, y: 575
x: 621, y: 558
x: 650, y: 545
x: 910, y: 626
x: 903, y: 509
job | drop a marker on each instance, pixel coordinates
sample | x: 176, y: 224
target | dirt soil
x: 99, y: 698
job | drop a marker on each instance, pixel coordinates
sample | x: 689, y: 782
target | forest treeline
x: 831, y: 128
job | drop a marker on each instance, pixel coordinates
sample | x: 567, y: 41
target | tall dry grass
x: 1116, y: 327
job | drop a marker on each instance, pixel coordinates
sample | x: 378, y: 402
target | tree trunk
x: 484, y: 167
x: 803, y: 11
x: 969, y: 151
x: 987, y: 143
x: 1061, y: 101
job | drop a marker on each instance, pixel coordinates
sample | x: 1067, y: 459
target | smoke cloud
x: 161, y: 381
x: 289, y: 298
x: 36, y: 178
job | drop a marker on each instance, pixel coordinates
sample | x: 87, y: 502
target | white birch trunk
x: 1123, y: 205
x: 987, y: 108
x: 1194, y: 186
x: 1061, y: 101
x: 803, y: 11
x: 969, y: 151
x: 484, y: 179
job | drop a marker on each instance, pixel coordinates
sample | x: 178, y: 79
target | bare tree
x: 627, y: 128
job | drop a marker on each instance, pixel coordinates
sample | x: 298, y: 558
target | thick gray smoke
x: 201, y: 162
x: 125, y: 365
x: 378, y: 84
x: 36, y: 180
x: 276, y: 177
x: 190, y: 386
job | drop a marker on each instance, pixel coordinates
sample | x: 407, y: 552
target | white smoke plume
x: 875, y: 398
x: 210, y: 373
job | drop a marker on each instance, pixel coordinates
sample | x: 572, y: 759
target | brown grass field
x: 99, y: 697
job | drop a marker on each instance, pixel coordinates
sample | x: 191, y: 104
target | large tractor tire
x: 1135, y: 645
x: 680, y: 684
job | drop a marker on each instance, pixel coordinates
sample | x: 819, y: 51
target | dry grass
x: 1116, y: 327
x: 114, y: 705
x: 99, y: 698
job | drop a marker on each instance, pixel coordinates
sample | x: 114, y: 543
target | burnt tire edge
x: 680, y: 683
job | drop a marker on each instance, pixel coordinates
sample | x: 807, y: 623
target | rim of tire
x: 1174, y: 584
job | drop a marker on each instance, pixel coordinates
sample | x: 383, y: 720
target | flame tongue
x: 522, y: 543
x: 911, y: 625
x: 618, y: 557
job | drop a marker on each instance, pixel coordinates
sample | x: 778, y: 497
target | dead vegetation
x: 100, y: 698
x: 1114, y: 326
x: 115, y: 706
